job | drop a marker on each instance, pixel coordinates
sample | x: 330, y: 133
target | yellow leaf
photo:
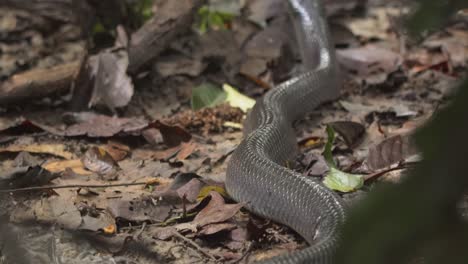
x: 59, y: 166
x: 207, y: 189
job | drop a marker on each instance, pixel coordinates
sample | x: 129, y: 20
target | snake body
x: 255, y: 173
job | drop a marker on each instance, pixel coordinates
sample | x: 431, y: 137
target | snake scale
x: 255, y: 173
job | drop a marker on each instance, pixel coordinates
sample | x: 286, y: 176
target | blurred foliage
x: 130, y: 13
x: 207, y: 95
x: 235, y: 99
x: 210, y: 18
x: 433, y: 14
x: 417, y: 221
x: 141, y: 10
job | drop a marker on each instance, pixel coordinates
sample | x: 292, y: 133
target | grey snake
x: 255, y: 173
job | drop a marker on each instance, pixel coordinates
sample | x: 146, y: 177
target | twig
x: 380, y: 173
x: 195, y: 245
x: 35, y: 188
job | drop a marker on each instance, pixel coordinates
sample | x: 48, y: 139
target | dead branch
x: 38, y: 82
x: 171, y: 19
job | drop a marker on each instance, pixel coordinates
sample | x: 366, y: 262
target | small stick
x: 35, y: 188
x: 400, y: 166
x: 195, y: 245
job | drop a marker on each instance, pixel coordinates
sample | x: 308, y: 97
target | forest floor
x: 136, y: 174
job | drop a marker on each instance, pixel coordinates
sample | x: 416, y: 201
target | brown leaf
x: 351, y: 132
x: 215, y: 228
x: 390, y: 151
x: 76, y: 165
x: 216, y: 211
x: 26, y: 176
x: 369, y: 61
x: 172, y: 135
x: 53, y: 149
x: 187, y: 148
x: 95, y: 125
x: 140, y: 210
x: 116, y: 150
x: 191, y: 190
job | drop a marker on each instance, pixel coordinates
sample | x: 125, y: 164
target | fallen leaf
x: 53, y: 149
x: 315, y: 165
x: 191, y: 190
x: 20, y: 177
x: 215, y: 228
x: 116, y: 150
x: 187, y: 148
x: 342, y: 181
x: 216, y: 211
x: 336, y: 179
x: 96, y: 125
x: 172, y: 135
x: 205, y: 191
x: 98, y: 160
x: 377, y: 23
x: 369, y: 60
x: 141, y: 210
x: 390, y: 151
x: 112, y: 86
x: 207, y: 95
x: 236, y: 99
x: 351, y: 132
x: 60, y: 166
x: 381, y: 106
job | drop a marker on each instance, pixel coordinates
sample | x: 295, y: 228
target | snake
x: 256, y: 174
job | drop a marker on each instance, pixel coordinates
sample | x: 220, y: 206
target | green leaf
x: 207, y: 95
x: 144, y: 8
x: 342, y: 181
x: 335, y: 178
x: 236, y: 99
x: 216, y: 16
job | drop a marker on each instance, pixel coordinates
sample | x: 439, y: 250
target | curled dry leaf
x: 98, y: 160
x: 112, y: 87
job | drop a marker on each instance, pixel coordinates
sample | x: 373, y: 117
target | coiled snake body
x: 256, y: 174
